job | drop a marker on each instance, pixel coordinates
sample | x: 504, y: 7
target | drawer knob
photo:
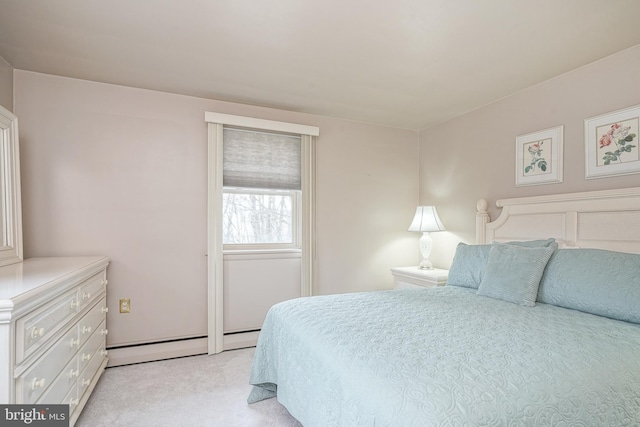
x: 104, y: 331
x: 103, y: 352
x: 75, y: 342
x: 86, y: 330
x: 74, y: 304
x: 74, y: 401
x: 74, y: 373
x: 86, y: 295
x: 37, y: 333
x: 37, y: 383
x: 85, y: 357
x: 85, y: 382
x: 105, y: 309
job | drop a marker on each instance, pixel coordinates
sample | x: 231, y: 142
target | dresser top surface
x: 23, y: 277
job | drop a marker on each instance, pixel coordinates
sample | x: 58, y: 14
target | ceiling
x: 402, y: 63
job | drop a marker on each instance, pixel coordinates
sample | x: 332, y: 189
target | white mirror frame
x: 10, y: 200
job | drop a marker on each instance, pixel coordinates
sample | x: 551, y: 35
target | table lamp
x: 426, y: 220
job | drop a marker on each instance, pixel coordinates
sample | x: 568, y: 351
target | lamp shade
x: 426, y: 219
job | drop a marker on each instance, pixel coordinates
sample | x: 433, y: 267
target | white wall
x: 473, y: 156
x: 121, y: 171
x: 6, y: 84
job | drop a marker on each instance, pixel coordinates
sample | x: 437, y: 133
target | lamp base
x: 425, y: 251
x: 426, y: 265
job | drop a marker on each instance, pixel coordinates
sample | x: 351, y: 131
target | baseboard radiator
x: 171, y: 349
x: 149, y: 352
x: 235, y: 340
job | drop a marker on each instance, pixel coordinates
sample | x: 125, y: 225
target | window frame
x: 296, y: 227
x: 215, y: 256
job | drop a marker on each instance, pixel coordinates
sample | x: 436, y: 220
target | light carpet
x: 190, y: 391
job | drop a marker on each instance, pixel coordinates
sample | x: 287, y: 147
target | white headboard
x: 607, y: 219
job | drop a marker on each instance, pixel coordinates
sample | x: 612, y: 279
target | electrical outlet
x: 125, y: 305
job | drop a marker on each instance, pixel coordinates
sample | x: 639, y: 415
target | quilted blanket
x: 446, y: 357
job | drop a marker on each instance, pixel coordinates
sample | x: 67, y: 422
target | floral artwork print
x: 536, y: 163
x: 616, y: 143
x: 539, y: 157
x: 611, y: 143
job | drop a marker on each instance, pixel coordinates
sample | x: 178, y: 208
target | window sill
x: 261, y: 253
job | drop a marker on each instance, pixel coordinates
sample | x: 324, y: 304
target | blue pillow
x: 595, y: 281
x: 468, y: 265
x: 513, y: 273
x: 469, y: 262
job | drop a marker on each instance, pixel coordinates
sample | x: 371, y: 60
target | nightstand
x: 414, y: 277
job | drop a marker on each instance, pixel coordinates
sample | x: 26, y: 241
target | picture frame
x: 611, y: 143
x: 539, y: 157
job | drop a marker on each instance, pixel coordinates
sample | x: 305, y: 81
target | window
x: 282, y: 189
x: 261, y: 189
x: 260, y: 217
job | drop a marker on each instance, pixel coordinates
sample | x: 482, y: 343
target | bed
x: 538, y: 325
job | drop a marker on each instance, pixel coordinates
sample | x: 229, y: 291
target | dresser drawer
x: 91, y: 348
x: 62, y: 384
x: 35, y: 328
x: 90, y: 322
x: 89, y: 374
x: 77, y: 398
x: 31, y: 384
x: 72, y: 400
x: 91, y: 289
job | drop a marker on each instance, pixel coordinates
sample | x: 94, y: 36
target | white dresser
x: 52, y: 330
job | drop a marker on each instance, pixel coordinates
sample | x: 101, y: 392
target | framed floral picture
x: 539, y: 157
x: 612, y: 143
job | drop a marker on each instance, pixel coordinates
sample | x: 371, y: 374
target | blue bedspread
x: 446, y: 357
